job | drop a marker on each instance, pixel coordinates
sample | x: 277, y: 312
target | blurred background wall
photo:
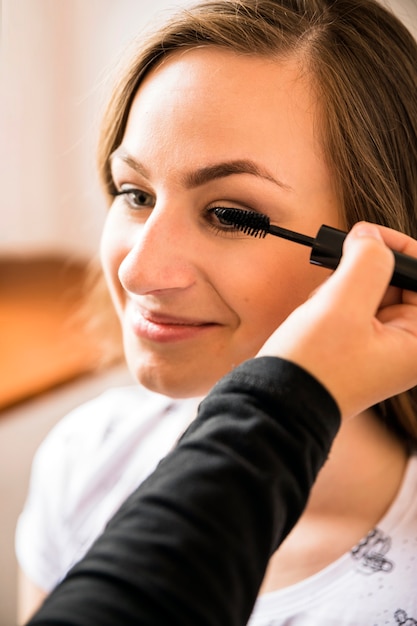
x: 57, y: 57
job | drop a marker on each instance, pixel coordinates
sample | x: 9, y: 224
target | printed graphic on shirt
x: 402, y: 619
x: 371, y: 553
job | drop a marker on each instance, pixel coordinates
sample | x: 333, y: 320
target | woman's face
x: 195, y: 298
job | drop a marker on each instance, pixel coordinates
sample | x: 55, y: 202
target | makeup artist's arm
x: 191, y: 545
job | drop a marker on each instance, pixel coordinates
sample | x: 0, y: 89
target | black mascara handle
x: 327, y: 251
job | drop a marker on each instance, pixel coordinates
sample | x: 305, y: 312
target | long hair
x: 363, y: 65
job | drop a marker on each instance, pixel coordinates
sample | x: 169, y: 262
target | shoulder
x: 86, y: 467
x: 90, y: 432
x: 92, y: 423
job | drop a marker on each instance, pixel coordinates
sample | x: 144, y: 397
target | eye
x: 136, y: 198
x: 222, y: 225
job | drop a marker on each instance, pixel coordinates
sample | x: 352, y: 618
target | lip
x: 164, y: 328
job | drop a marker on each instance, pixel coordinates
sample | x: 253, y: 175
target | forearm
x: 191, y: 545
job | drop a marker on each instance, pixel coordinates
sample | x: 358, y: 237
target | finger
x: 362, y: 277
x: 398, y: 241
x: 406, y: 245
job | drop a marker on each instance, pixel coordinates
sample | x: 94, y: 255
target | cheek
x: 273, y: 293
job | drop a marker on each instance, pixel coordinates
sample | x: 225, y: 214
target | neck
x: 363, y: 472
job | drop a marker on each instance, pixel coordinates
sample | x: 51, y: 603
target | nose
x: 161, y: 255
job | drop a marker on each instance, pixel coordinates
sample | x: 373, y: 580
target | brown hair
x: 363, y: 62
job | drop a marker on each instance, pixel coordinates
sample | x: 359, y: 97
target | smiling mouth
x: 170, y: 320
x: 166, y: 328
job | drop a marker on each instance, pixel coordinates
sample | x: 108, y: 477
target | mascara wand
x: 326, y: 246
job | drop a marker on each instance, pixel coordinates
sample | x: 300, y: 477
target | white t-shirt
x: 86, y: 467
x: 97, y: 455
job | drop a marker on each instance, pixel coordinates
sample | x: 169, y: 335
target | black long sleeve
x: 191, y: 545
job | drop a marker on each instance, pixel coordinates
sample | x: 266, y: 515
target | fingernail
x: 364, y: 229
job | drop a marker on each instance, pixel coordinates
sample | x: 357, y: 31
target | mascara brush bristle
x: 248, y: 222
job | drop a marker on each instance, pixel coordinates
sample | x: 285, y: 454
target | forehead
x: 212, y: 86
x: 243, y: 74
x: 212, y: 105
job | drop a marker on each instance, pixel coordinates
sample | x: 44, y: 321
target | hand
x: 355, y: 334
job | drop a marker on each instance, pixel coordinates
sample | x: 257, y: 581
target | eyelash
x: 132, y: 191
x: 223, y: 228
x: 215, y: 223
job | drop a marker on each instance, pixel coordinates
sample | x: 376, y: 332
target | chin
x: 175, y: 384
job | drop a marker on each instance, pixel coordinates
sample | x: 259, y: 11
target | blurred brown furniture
x: 41, y: 342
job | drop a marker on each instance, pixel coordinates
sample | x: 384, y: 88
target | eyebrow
x: 203, y: 175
